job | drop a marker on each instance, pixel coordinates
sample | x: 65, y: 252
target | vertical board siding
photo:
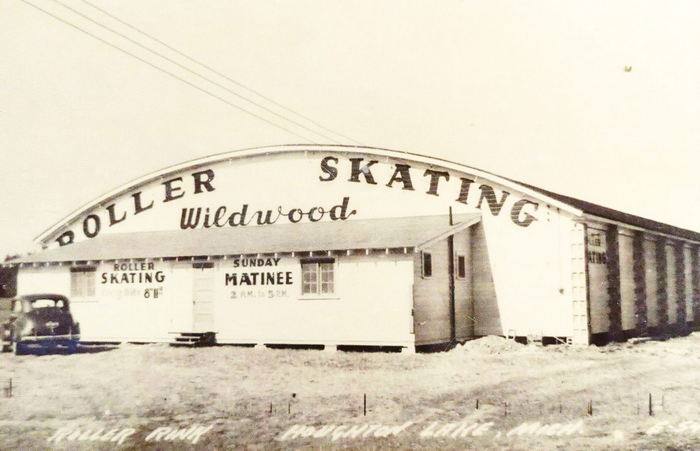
x: 661, y: 284
x: 688, y: 264
x: 627, y: 284
x: 680, y: 287
x: 431, y: 297
x: 613, y: 270
x: 598, y: 279
x: 695, y: 257
x: 671, y: 294
x: 579, y: 290
x: 651, y: 282
x: 464, y: 314
x: 640, y: 284
x: 486, y: 312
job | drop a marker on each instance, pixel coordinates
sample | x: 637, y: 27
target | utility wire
x: 191, y: 71
x: 211, y: 69
x: 168, y: 72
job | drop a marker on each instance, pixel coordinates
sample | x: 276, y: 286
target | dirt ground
x: 557, y: 397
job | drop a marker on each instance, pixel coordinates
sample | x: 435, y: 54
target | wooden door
x: 203, y: 297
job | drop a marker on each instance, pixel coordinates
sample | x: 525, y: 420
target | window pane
x: 76, y: 287
x: 90, y: 281
x: 427, y: 265
x: 461, y: 267
x: 82, y: 284
x: 309, y: 278
x: 327, y: 278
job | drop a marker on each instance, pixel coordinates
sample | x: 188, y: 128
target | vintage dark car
x: 39, y: 320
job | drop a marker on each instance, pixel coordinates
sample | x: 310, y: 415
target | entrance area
x: 203, y: 297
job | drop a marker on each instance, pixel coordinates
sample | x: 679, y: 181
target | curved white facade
x: 339, y: 245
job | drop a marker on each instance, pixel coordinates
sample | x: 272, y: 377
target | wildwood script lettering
x: 222, y: 217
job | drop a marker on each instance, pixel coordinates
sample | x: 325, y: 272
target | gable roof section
x: 618, y: 216
x: 384, y: 233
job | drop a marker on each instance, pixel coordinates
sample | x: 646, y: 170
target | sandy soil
x: 257, y: 398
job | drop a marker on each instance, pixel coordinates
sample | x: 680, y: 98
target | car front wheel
x: 73, y: 347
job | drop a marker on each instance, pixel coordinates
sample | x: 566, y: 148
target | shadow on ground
x: 82, y: 349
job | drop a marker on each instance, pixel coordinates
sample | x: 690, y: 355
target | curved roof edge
x: 571, y: 205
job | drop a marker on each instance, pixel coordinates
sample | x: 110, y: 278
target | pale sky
x: 531, y: 90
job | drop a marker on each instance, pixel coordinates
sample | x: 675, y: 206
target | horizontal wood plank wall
x: 640, y: 293
x: 614, y: 298
x: 486, y: 312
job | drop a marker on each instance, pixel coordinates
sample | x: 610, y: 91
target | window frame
x: 461, y: 264
x: 318, y: 264
x: 426, y: 274
x: 82, y: 282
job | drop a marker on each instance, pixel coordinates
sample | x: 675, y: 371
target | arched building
x: 358, y: 246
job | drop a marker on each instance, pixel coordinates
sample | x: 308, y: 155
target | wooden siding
x: 688, y: 260
x: 627, y: 293
x: 431, y: 297
x: 671, y: 281
x: 661, y: 283
x: 579, y: 289
x: 640, y: 288
x: 695, y: 281
x: 613, y: 276
x: 486, y: 312
x: 464, y: 310
x: 680, y: 305
x: 371, y: 305
x: 651, y: 282
x: 598, y: 279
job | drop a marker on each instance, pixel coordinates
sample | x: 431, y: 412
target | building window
x: 82, y: 281
x: 461, y: 266
x: 317, y: 276
x: 426, y: 264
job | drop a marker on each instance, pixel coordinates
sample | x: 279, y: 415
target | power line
x: 211, y: 69
x: 167, y: 72
x: 191, y: 71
